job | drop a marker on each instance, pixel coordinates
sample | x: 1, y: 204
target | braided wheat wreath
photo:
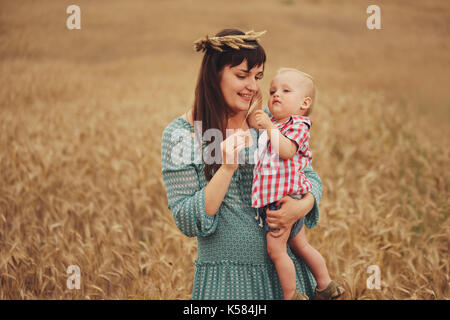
x: 233, y: 41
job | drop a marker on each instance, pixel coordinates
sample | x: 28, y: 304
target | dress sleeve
x: 312, y: 218
x: 186, y: 199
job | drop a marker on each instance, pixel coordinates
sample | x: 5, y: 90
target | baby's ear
x: 306, y: 103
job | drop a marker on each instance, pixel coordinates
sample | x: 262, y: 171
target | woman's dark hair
x: 209, y: 104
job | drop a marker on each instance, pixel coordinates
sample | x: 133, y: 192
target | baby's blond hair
x: 310, y: 87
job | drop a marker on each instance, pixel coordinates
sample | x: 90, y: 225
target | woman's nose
x: 252, y: 85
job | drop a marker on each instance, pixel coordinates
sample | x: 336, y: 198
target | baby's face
x: 286, y: 95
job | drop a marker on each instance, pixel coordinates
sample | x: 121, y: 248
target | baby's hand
x: 262, y: 120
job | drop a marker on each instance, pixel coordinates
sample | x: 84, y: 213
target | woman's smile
x: 246, y: 96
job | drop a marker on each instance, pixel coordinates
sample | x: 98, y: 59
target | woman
x: 211, y: 200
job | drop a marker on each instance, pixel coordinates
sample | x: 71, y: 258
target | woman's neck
x: 235, y: 121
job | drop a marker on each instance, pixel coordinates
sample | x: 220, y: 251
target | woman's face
x: 239, y: 84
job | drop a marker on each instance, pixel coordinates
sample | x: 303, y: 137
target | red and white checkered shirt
x: 275, y: 177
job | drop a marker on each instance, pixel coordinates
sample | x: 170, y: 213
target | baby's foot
x: 332, y: 292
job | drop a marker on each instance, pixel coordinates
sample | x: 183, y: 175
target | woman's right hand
x: 291, y: 210
x: 231, y: 147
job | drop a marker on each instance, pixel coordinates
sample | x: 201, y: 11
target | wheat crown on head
x: 233, y: 41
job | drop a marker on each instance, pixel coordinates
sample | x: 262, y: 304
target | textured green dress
x: 232, y: 260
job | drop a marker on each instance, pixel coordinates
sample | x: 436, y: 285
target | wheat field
x: 82, y: 113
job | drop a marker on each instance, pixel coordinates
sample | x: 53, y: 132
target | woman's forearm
x: 216, y: 189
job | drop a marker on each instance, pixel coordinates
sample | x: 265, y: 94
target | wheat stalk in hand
x: 256, y: 102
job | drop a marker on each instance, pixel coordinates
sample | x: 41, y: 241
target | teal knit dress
x: 232, y: 260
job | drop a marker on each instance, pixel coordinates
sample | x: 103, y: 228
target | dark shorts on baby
x: 296, y: 227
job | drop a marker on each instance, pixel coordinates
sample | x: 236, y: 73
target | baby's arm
x: 285, y: 147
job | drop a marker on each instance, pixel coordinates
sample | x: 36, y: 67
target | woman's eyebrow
x: 248, y: 71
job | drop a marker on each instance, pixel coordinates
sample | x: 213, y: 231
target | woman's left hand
x: 291, y: 210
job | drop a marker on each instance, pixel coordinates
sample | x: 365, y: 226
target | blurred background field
x: 82, y: 113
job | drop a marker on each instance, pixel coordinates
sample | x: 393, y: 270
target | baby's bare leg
x: 313, y: 259
x: 276, y: 248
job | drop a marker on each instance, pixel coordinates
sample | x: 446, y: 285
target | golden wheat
x: 82, y: 116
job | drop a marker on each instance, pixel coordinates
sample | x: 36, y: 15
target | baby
x: 283, y: 154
